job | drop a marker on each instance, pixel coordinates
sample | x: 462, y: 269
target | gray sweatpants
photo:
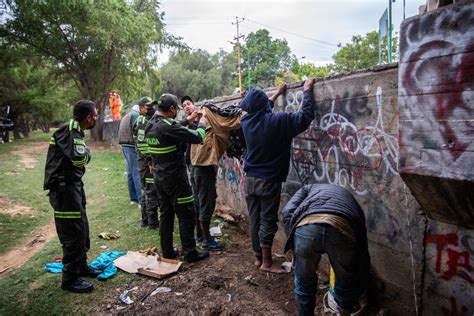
x: 263, y: 201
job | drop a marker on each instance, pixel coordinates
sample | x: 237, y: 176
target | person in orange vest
x: 115, y: 104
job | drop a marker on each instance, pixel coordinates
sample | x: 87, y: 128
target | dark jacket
x: 268, y: 134
x: 67, y: 157
x: 324, y: 198
x: 167, y: 140
x: 139, y: 135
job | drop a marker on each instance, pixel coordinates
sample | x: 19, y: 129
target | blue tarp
x: 104, y: 262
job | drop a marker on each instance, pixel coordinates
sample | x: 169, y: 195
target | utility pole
x: 237, y: 39
x: 390, y: 30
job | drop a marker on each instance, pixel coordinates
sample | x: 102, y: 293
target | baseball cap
x: 166, y: 101
x: 186, y: 97
x: 144, y: 101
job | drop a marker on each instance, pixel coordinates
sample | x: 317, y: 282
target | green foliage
x: 301, y: 71
x: 100, y: 45
x: 263, y: 58
x: 362, y: 52
x: 32, y: 89
x: 197, y: 74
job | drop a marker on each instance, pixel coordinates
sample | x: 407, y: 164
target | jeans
x: 348, y: 263
x: 205, y: 181
x: 133, y: 176
x: 263, y: 201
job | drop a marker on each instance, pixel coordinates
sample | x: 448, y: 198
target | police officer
x: 149, y: 201
x: 166, y: 140
x: 65, y: 166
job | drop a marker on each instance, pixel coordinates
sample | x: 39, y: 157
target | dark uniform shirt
x: 66, y: 161
x: 167, y: 141
x: 139, y: 135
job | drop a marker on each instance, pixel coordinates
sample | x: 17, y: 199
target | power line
x: 225, y: 19
x: 251, y: 29
x: 294, y: 34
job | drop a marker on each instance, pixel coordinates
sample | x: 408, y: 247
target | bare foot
x: 258, y: 261
x: 272, y: 269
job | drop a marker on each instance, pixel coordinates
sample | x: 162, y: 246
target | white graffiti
x: 294, y: 100
x: 371, y: 144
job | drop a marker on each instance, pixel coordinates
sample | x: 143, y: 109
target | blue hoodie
x: 268, y: 134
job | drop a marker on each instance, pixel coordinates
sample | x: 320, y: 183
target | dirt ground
x: 20, y: 254
x: 17, y: 256
x: 12, y: 209
x: 226, y: 283
x: 24, y: 153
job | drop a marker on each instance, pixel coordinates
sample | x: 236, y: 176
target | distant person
x: 149, y: 201
x: 325, y: 218
x: 130, y: 154
x: 188, y: 106
x: 268, y: 137
x: 65, y: 166
x: 166, y: 140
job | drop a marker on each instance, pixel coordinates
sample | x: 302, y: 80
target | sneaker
x: 133, y: 202
x: 212, y: 244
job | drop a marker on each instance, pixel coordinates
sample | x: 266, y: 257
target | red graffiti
x: 453, y: 310
x: 453, y: 78
x: 458, y: 262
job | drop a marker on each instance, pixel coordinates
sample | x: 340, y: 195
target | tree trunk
x: 97, y: 133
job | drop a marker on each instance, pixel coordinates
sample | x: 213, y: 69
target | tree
x: 198, y: 74
x: 362, y: 52
x: 263, y: 58
x: 100, y: 45
x: 36, y: 95
x: 299, y: 72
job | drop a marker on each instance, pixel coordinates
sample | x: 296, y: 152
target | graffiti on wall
x: 337, y: 151
x: 452, y: 258
x: 437, y: 90
x: 450, y: 270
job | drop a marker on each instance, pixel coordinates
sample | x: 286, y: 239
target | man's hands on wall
x: 308, y: 85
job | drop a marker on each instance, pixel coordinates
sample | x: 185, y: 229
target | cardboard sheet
x: 162, y: 268
x: 135, y: 262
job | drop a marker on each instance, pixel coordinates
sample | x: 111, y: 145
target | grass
x: 30, y: 290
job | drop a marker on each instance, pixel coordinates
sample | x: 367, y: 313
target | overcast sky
x: 207, y: 24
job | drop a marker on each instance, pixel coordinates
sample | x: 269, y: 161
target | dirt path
x: 227, y: 283
x: 17, y: 256
x: 24, y: 153
x: 12, y: 209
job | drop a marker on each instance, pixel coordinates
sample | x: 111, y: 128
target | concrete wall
x: 353, y: 142
x: 402, y: 141
x: 436, y: 99
x: 111, y: 132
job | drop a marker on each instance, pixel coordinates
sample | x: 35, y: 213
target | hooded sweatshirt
x: 268, y: 134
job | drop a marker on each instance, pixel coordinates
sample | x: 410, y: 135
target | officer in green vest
x: 167, y: 141
x: 65, y: 166
x: 149, y: 200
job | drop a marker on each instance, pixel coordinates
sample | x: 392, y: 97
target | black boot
x: 194, y: 255
x: 89, y: 272
x: 78, y: 286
